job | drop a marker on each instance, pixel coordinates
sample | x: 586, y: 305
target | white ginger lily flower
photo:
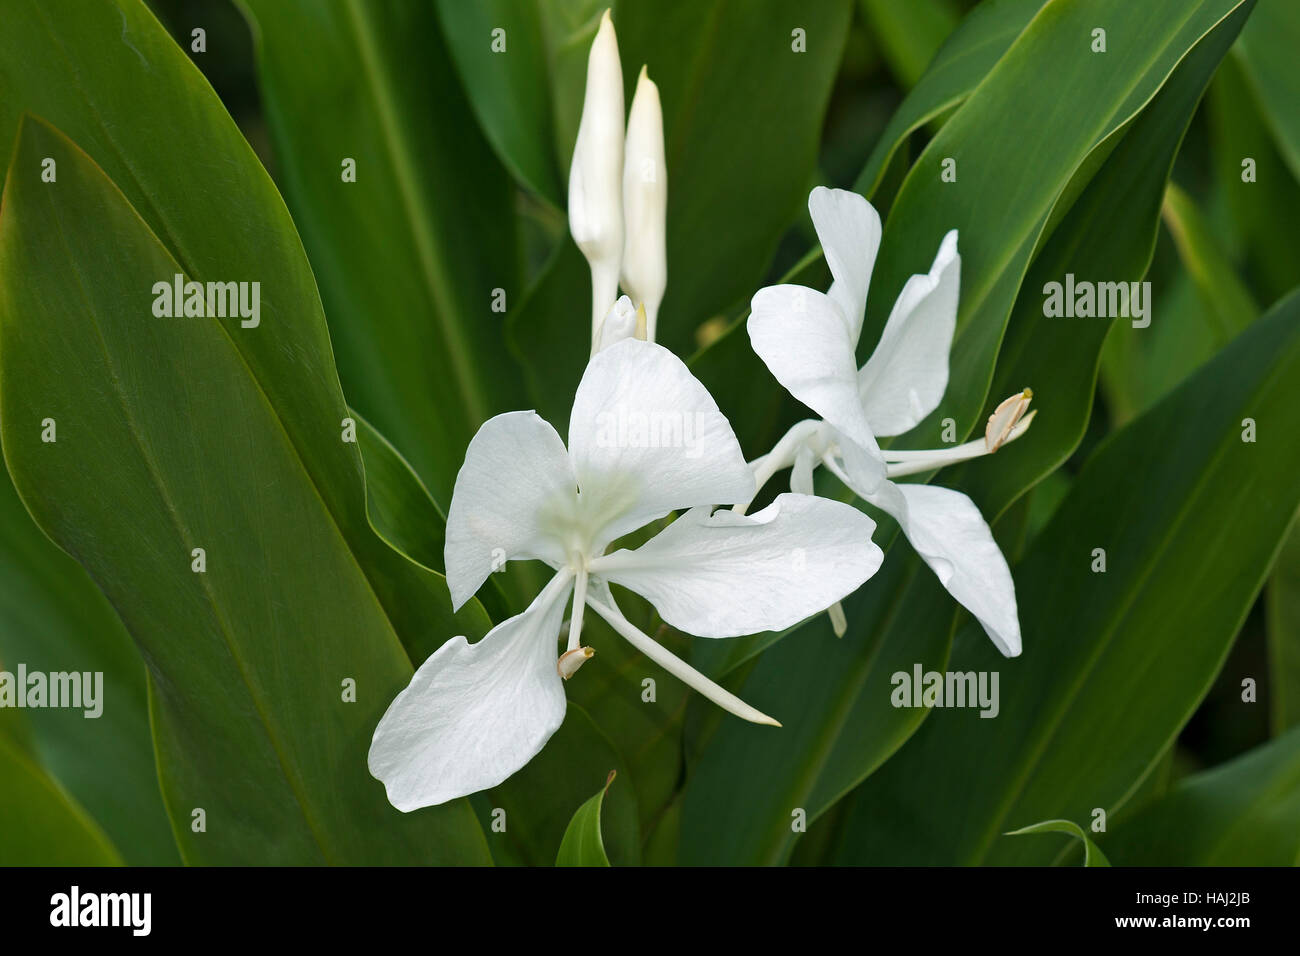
x: 645, y: 439
x: 809, y: 341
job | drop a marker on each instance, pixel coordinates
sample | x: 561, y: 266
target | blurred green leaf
x: 909, y: 32
x: 1268, y: 49
x: 582, y: 844
x: 43, y: 826
x: 1282, y: 607
x: 250, y: 658
x: 1243, y: 813
x: 53, y: 618
x: 410, y: 256
x: 1092, y: 855
x: 506, y: 77
x: 1116, y: 662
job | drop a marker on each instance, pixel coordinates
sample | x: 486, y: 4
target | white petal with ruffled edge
x: 646, y: 438
x: 473, y: 714
x: 725, y: 574
x: 905, y: 377
x: 946, y: 529
x: 514, y: 494
x: 849, y: 230
x: 801, y: 337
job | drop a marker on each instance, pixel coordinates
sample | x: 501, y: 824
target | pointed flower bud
x: 595, y: 178
x: 645, y: 202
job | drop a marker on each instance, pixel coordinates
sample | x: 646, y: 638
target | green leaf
x: 1092, y: 855
x: 408, y: 256
x: 52, y: 618
x: 1093, y: 702
x: 845, y: 726
x: 1282, y: 610
x: 582, y: 844
x: 1243, y: 813
x: 235, y: 227
x: 909, y: 32
x: 43, y: 826
x: 508, y: 85
x: 1267, y: 47
x: 248, y: 657
x: 1002, y: 207
x: 957, y: 69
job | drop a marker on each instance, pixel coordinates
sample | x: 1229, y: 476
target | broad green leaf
x: 1230, y: 302
x: 500, y: 52
x: 958, y: 68
x: 52, y: 618
x: 43, y: 826
x: 1268, y: 45
x: 582, y: 844
x: 131, y: 77
x: 410, y: 256
x: 909, y: 32
x: 251, y: 654
x: 1282, y: 608
x: 1093, y: 702
x: 538, y: 801
x: 1000, y: 205
x: 846, y: 726
x: 1092, y: 855
x: 1243, y: 813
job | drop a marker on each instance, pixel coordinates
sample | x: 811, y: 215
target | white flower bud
x: 645, y: 202
x: 595, y: 178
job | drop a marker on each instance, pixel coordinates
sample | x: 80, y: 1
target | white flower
x: 596, y: 175
x: 809, y: 341
x: 645, y: 439
x: 645, y: 202
x: 622, y: 321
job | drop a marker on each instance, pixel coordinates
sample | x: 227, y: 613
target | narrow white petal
x: 674, y: 665
x: 725, y: 574
x: 947, y: 530
x: 646, y: 438
x: 514, y: 494
x: 907, y: 374
x: 473, y: 714
x: 801, y: 474
x: 802, y: 338
x: 849, y: 230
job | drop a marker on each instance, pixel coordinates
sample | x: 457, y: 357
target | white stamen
x: 570, y: 661
x: 579, y: 605
x: 679, y: 668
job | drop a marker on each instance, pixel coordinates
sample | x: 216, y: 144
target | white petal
x: 947, y: 530
x: 801, y: 473
x: 619, y: 324
x: 849, y: 229
x: 725, y: 574
x: 802, y: 338
x: 646, y: 438
x: 905, y: 377
x: 513, y: 495
x: 473, y: 714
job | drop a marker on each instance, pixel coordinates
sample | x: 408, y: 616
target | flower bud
x: 645, y: 202
x: 595, y: 192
